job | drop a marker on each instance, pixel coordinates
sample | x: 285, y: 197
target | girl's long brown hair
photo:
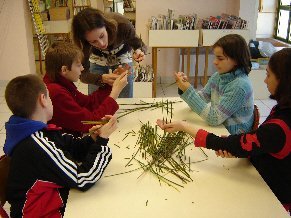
x: 280, y: 65
x: 235, y: 47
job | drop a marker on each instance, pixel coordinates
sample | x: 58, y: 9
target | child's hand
x: 118, y: 85
x: 94, y: 131
x: 171, y: 127
x: 224, y: 154
x: 178, y: 126
x: 109, y: 78
x: 138, y: 55
x: 105, y: 130
x: 120, y: 69
x: 182, y: 81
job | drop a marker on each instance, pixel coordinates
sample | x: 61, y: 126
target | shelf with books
x: 79, y: 5
x: 129, y: 10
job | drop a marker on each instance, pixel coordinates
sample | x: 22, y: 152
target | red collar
x: 53, y: 127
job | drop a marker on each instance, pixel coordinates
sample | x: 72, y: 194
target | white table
x: 220, y: 187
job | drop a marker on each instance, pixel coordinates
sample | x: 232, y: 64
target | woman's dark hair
x: 88, y: 20
x: 235, y: 47
x: 280, y: 65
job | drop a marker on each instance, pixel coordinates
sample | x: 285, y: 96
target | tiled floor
x: 163, y: 90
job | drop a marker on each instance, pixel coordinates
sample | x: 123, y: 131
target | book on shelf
x: 85, y: 3
x: 79, y: 5
x: 127, y: 4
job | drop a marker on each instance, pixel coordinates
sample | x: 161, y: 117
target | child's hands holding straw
x: 223, y: 154
x: 109, y: 78
x: 182, y: 81
x: 104, y: 131
x: 118, y: 85
x: 176, y: 126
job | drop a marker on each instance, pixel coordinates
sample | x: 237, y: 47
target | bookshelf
x: 129, y: 10
x: 79, y: 5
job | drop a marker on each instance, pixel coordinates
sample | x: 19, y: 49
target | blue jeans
x: 127, y: 91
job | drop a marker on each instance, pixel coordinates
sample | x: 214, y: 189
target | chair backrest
x: 4, y: 170
x: 256, y: 118
x: 3, y: 213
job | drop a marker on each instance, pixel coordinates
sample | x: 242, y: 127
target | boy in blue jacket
x: 45, y: 163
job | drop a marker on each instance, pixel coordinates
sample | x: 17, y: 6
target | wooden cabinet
x: 171, y: 39
x: 210, y: 36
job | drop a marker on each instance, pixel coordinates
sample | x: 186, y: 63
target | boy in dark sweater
x: 45, y: 163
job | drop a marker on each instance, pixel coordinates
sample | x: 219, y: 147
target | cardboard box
x: 59, y: 13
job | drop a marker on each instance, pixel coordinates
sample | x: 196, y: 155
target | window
x: 283, y: 25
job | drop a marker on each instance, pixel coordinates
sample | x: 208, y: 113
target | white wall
x: 99, y: 4
x: 249, y: 11
x: 257, y: 78
x: 266, y: 19
x: 16, y: 40
x: 168, y: 59
x: 203, y: 8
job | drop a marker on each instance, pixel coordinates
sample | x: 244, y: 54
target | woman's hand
x: 138, y: 55
x: 105, y: 130
x: 182, y: 81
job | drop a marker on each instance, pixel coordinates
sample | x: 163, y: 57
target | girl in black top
x: 268, y: 147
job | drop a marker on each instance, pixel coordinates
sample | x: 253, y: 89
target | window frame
x: 286, y: 8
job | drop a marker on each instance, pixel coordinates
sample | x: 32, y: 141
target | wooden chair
x: 256, y: 118
x: 3, y: 213
x: 4, y: 169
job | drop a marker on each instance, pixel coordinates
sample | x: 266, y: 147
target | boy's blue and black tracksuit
x: 45, y: 164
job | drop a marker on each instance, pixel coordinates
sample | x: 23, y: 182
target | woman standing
x: 107, y: 40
